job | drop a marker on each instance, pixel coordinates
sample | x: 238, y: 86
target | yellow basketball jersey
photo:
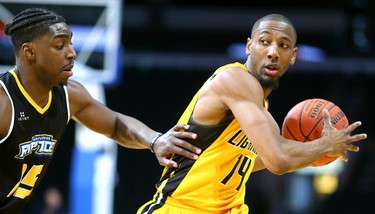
x: 215, y: 182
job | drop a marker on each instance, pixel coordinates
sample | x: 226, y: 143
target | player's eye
x: 60, y: 46
x: 284, y: 46
x: 264, y: 42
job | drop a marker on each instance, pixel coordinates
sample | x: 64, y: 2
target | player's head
x: 274, y: 17
x: 271, y: 49
x: 29, y: 25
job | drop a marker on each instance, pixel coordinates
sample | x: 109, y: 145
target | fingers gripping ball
x: 304, y: 122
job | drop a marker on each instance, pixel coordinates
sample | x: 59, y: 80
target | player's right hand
x: 341, y: 140
x: 172, y: 142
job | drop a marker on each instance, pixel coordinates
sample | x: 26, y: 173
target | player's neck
x: 37, y: 92
x: 266, y: 92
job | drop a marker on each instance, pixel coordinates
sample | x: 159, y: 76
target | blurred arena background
x: 167, y: 49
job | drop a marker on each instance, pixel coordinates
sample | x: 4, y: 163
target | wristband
x: 154, y: 141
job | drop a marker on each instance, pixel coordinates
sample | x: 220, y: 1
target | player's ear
x: 248, y: 44
x: 28, y: 51
x: 294, y: 56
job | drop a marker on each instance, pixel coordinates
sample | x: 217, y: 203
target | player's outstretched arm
x: 132, y: 133
x: 334, y: 143
x: 278, y: 154
x: 128, y: 131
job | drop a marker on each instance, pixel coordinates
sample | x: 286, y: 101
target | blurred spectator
x: 53, y: 202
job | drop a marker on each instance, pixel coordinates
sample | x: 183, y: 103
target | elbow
x: 279, y: 166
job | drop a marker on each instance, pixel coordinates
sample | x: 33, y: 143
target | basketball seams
x: 320, y: 119
x: 301, y: 118
x: 290, y: 133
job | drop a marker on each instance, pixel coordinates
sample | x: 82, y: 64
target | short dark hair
x: 30, y: 24
x: 273, y: 17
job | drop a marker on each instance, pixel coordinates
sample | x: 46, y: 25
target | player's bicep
x: 97, y: 117
x: 252, y: 119
x: 88, y: 111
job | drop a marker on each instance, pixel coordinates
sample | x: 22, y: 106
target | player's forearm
x: 132, y: 133
x: 291, y: 155
x: 299, y: 155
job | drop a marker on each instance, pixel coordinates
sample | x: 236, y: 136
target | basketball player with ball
x: 238, y: 135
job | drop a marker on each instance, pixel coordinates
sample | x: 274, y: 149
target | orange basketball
x: 304, y: 122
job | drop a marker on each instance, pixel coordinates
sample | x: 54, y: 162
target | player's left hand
x: 172, y: 142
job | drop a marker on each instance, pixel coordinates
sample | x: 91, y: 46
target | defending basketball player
x: 37, y: 100
x: 237, y: 133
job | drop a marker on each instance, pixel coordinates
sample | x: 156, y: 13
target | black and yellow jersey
x: 27, y: 148
x: 215, y: 182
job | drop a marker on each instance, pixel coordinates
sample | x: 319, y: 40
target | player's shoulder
x: 74, y: 86
x: 5, y: 111
x: 237, y: 80
x: 73, y: 83
x: 3, y: 95
x: 79, y: 97
x: 235, y: 73
x: 77, y: 90
x: 232, y: 80
x: 232, y: 67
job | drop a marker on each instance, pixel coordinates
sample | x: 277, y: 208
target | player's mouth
x: 272, y: 69
x: 68, y: 69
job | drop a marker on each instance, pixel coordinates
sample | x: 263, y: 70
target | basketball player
x: 236, y: 132
x: 37, y: 101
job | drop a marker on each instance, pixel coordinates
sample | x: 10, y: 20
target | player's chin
x: 63, y: 82
x: 269, y: 82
